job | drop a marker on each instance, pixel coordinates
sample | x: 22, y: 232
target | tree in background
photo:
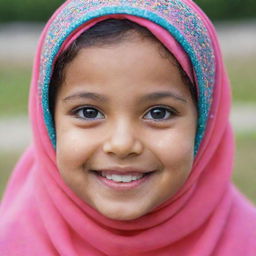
x: 27, y: 10
x: 228, y: 9
x: 41, y: 10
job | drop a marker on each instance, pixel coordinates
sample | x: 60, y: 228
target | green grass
x: 244, y: 172
x: 14, y: 86
x: 245, y: 164
x: 243, y: 80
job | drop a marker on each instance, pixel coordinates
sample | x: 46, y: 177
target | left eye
x: 159, y: 113
x: 89, y: 113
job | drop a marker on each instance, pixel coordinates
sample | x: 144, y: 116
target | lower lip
x: 124, y: 185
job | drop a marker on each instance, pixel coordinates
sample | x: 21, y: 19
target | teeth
x: 121, y: 178
x: 127, y: 179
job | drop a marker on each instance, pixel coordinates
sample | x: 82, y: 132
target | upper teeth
x: 122, y: 178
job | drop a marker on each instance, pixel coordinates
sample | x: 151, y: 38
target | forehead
x: 135, y: 54
x: 136, y: 65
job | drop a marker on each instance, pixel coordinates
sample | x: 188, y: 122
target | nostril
x: 123, y: 147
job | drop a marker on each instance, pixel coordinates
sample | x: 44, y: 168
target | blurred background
x: 21, y: 22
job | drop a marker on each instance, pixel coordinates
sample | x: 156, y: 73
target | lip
x: 123, y: 186
x: 123, y: 170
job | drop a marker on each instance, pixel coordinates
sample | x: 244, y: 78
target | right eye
x: 89, y: 113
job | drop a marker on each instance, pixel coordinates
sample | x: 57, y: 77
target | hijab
x: 208, y: 216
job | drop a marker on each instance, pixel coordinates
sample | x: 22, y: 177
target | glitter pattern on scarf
x: 173, y: 15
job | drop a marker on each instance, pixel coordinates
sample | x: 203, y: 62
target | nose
x: 122, y: 141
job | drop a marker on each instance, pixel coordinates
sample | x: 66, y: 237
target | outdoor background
x: 20, y: 24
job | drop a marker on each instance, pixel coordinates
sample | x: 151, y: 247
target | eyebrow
x: 164, y: 94
x: 149, y: 97
x: 86, y: 95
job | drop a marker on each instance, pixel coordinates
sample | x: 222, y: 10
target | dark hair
x: 107, y: 32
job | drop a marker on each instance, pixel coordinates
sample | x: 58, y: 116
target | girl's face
x: 125, y: 124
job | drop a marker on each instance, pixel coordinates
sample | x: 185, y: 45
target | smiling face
x: 125, y: 124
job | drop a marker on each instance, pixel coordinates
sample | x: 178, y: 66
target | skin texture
x: 125, y: 131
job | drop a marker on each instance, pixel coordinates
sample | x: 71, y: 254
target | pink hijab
x: 40, y: 215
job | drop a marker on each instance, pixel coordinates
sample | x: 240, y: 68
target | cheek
x: 74, y: 147
x: 175, y: 150
x: 176, y: 153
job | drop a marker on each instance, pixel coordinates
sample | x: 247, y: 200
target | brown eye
x: 89, y: 113
x: 159, y: 113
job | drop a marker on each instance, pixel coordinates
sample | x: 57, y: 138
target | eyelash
x: 88, y: 107
x: 170, y: 112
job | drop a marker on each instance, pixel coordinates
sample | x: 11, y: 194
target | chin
x: 121, y: 214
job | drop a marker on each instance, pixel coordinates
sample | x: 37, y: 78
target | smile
x: 123, y: 180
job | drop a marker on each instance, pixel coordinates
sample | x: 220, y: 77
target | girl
x: 132, y: 151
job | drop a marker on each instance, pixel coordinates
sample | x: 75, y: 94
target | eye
x: 159, y: 113
x: 89, y: 113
